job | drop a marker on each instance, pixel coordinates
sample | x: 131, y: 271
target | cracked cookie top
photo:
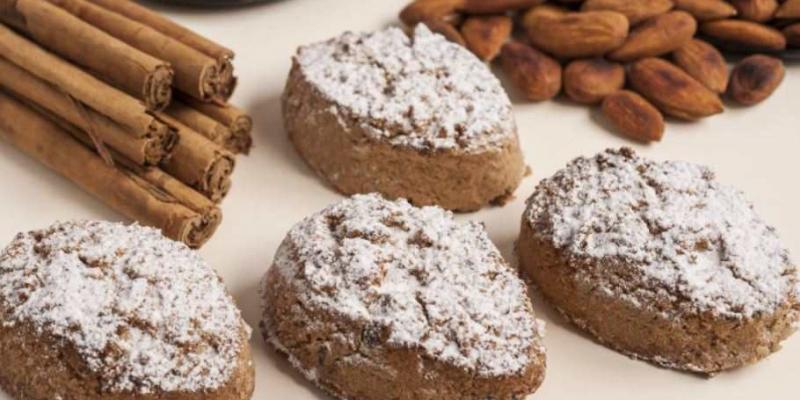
x: 420, y: 279
x: 663, y: 235
x: 145, y: 313
x: 422, y: 91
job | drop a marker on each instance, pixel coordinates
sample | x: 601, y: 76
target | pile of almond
x: 637, y: 59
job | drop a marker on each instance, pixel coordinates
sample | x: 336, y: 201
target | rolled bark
x: 202, y: 123
x: 195, y: 73
x: 121, y: 189
x: 147, y: 150
x: 237, y: 120
x: 97, y: 95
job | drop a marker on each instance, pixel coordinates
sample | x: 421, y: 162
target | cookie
x: 97, y: 310
x: 660, y: 261
x: 415, y: 117
x: 373, y: 299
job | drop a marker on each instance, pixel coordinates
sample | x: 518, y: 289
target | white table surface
x: 755, y: 149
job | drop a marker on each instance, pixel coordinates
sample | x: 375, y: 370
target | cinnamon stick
x: 195, y: 73
x: 148, y: 150
x: 203, y: 124
x: 97, y: 95
x: 131, y: 195
x: 137, y: 73
x: 237, y: 120
x: 223, y: 55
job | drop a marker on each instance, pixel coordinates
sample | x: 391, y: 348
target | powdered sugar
x: 690, y: 240
x: 145, y: 313
x: 434, y: 284
x: 424, y: 92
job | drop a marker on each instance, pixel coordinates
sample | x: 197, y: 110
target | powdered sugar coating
x: 422, y: 92
x: 670, y: 236
x: 145, y: 313
x: 434, y: 284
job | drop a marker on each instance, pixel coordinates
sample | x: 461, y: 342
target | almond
x: 672, y: 90
x: 485, y: 35
x: 790, y: 9
x: 421, y: 10
x: 635, y: 11
x: 496, y: 6
x: 657, y: 36
x: 792, y: 34
x: 703, y: 62
x: 756, y: 10
x: 633, y: 116
x: 706, y: 10
x: 575, y: 34
x: 536, y: 74
x: 743, y: 36
x: 445, y: 29
x: 588, y: 81
x: 755, y: 78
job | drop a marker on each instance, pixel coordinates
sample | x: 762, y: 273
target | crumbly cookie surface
x: 433, y: 284
x: 695, y: 245
x: 145, y: 313
x: 422, y: 92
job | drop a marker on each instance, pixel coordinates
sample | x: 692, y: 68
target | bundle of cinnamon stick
x: 126, y: 103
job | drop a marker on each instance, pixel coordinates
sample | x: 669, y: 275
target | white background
x: 755, y: 149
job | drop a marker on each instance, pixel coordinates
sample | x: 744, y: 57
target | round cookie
x: 660, y: 261
x: 373, y: 299
x: 419, y: 118
x: 97, y: 310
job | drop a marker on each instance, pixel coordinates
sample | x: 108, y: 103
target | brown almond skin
x: 575, y: 34
x: 485, y: 35
x: 790, y: 9
x: 588, y: 81
x: 537, y: 75
x: 496, y: 6
x: 792, y: 34
x: 635, y: 11
x: 672, y: 90
x: 633, y: 116
x: 657, y: 36
x: 707, y: 10
x: 756, y: 10
x: 703, y: 62
x: 755, y: 78
x: 445, y: 29
x: 744, y: 36
x: 421, y: 10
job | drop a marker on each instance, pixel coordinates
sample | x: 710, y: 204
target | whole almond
x: 706, y: 10
x: 445, y: 29
x: 792, y: 34
x: 485, y: 35
x: 588, y: 81
x: 703, y: 62
x: 755, y: 78
x: 633, y: 116
x: 790, y: 9
x: 672, y: 90
x: 536, y: 74
x: 635, y: 11
x: 496, y: 6
x: 744, y: 36
x: 756, y: 10
x: 575, y: 34
x: 656, y: 36
x: 421, y: 10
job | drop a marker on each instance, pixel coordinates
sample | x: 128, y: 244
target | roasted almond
x: 703, y: 62
x: 744, y: 36
x: 633, y: 116
x: 792, y: 34
x: 706, y: 10
x: 422, y: 10
x: 588, y: 81
x: 755, y: 78
x: 485, y: 35
x: 535, y: 74
x: 656, y: 36
x: 756, y: 10
x: 575, y: 34
x: 790, y: 9
x: 445, y: 29
x: 635, y: 11
x: 672, y: 90
x: 496, y: 6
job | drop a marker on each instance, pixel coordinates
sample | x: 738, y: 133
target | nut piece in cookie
x: 414, y: 117
x: 98, y: 310
x: 660, y: 261
x: 373, y: 299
